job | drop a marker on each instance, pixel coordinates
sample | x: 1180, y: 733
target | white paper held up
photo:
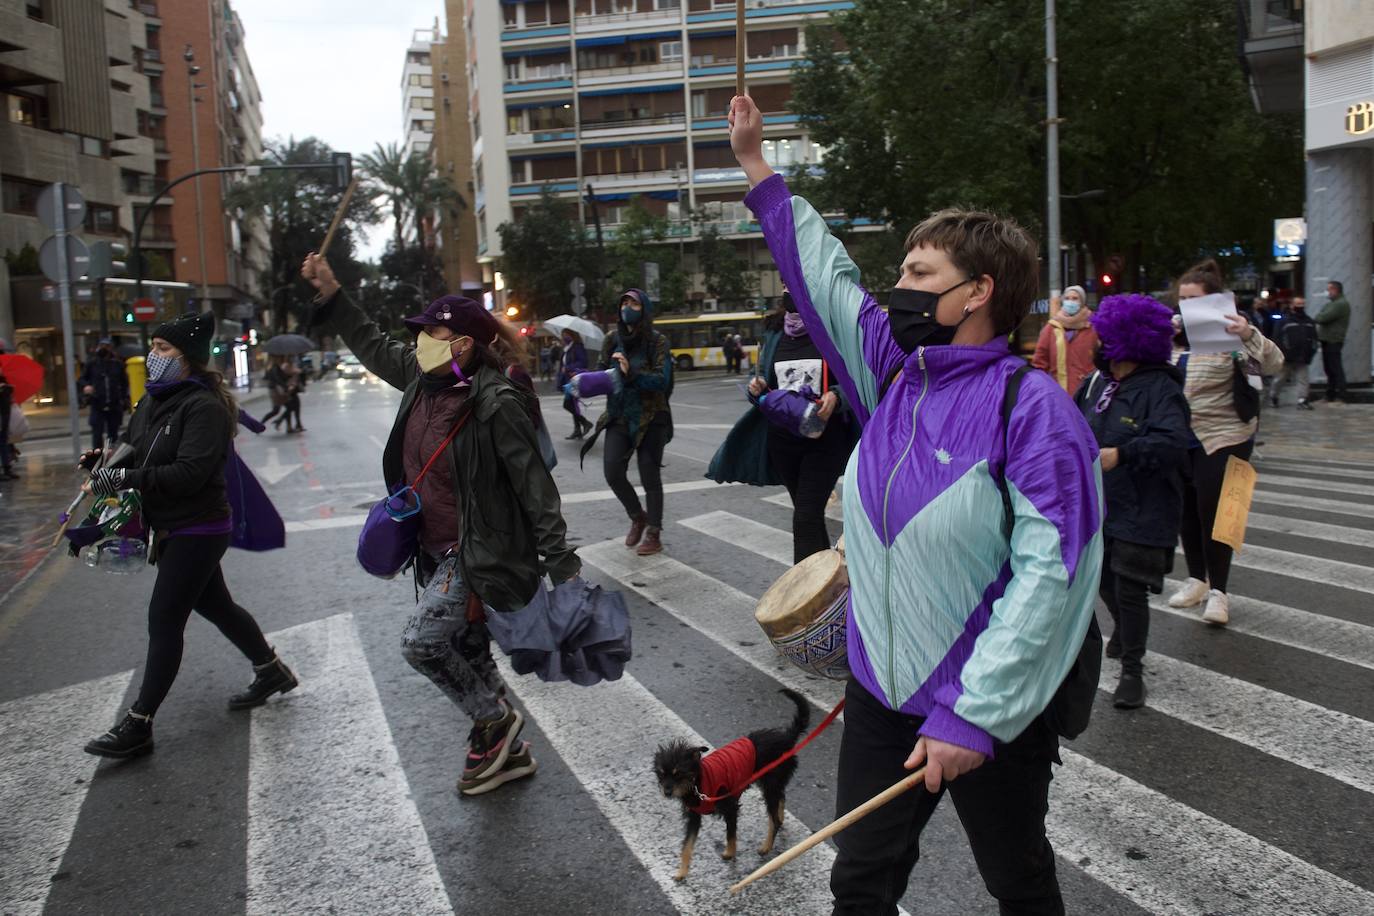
x: 1205, y: 319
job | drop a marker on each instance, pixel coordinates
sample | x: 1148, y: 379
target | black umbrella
x: 578, y: 632
x: 289, y: 344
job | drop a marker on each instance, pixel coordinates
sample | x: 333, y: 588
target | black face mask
x: 911, y: 314
x: 787, y: 304
x: 1103, y: 364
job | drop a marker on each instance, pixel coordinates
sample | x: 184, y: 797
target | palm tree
x: 390, y: 175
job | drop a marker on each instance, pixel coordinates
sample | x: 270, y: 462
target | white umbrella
x: 592, y: 335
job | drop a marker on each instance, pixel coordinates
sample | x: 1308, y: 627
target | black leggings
x: 189, y: 578
x: 1128, y: 602
x: 616, y: 463
x: 1208, y: 560
x: 809, y: 469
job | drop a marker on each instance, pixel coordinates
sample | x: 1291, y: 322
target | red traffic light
x: 1107, y: 280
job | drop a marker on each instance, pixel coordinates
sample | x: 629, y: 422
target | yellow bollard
x: 138, y: 377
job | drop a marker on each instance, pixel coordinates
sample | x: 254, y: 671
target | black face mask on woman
x: 911, y: 314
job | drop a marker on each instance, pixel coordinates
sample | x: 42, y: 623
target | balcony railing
x: 155, y: 233
x: 140, y: 185
x: 659, y: 121
x: 586, y: 19
x: 152, y: 54
x: 674, y: 66
x: 147, y: 9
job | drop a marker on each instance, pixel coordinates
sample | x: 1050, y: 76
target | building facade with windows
x: 417, y: 92
x: 455, y: 232
x: 608, y: 100
x: 1317, y: 57
x: 75, y: 82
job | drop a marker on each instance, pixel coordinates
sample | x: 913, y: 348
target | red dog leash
x: 825, y: 723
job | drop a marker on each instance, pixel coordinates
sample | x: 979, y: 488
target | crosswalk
x: 332, y: 823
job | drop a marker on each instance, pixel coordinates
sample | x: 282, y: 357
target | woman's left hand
x: 624, y: 363
x: 1111, y: 457
x: 1240, y: 327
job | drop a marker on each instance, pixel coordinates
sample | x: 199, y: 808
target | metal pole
x: 600, y: 248
x: 1052, y: 151
x: 64, y: 293
x: 200, y: 219
x: 100, y: 302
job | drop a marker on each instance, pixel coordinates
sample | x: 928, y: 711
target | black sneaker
x: 1130, y: 692
x: 1113, y: 647
x: 273, y: 677
x: 489, y: 747
x: 132, y: 737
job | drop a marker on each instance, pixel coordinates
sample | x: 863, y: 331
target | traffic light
x: 512, y: 311
x: 343, y: 169
x: 1107, y: 281
x: 128, y: 317
x: 107, y: 260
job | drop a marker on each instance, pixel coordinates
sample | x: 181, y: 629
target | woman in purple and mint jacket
x: 960, y: 629
x: 181, y: 434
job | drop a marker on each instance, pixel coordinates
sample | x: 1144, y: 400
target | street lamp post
x: 191, y: 70
x: 1052, y: 151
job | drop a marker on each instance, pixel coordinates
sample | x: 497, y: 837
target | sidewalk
x: 55, y: 422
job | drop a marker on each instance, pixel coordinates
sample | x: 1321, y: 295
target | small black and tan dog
x: 683, y: 773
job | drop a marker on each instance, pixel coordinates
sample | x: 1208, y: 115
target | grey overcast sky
x: 333, y: 70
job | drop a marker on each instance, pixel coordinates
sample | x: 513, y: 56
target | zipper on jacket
x: 887, y: 541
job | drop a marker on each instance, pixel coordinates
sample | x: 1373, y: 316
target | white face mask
x: 1071, y: 307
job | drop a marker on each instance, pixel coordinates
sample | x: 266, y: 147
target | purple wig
x: 1134, y: 328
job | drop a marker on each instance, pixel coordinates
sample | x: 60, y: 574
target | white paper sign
x: 1205, y: 319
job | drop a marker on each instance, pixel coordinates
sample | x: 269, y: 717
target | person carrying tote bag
x: 490, y: 522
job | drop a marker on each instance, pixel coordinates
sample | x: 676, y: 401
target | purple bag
x: 257, y: 524
x: 389, y: 536
x: 794, y: 411
x: 595, y: 384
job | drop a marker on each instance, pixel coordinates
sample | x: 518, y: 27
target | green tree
x: 725, y: 271
x: 412, y: 187
x: 641, y: 238
x: 1169, y: 134
x: 542, y: 252
x: 24, y: 262
x: 297, y: 206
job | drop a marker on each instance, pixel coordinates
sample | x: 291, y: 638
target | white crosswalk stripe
x: 1303, y: 566
x: 1265, y: 496
x: 43, y: 782
x: 332, y: 827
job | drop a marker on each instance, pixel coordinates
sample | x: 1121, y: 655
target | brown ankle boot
x: 636, y: 532
x: 651, y: 543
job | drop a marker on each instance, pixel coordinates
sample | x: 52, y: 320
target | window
x: 779, y: 153
x: 414, y: 79
x: 102, y: 219
x: 421, y: 146
x: 698, y: 104
x: 670, y: 51
x: 512, y: 70
x: 426, y: 80
x: 514, y: 123
x: 20, y: 195
x: 34, y: 9
x: 666, y: 4
x: 91, y: 146
x: 427, y: 103
x: 28, y: 110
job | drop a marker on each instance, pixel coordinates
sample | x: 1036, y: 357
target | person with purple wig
x: 1135, y: 406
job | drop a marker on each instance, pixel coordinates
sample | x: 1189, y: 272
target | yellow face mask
x: 431, y: 353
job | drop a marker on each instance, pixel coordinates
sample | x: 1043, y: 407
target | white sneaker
x: 1218, y: 611
x: 1193, y: 592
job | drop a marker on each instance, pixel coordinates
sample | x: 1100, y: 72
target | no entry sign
x: 145, y: 310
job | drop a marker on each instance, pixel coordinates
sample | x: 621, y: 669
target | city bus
x: 696, y: 339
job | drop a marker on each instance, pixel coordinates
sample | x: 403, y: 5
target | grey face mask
x: 163, y: 368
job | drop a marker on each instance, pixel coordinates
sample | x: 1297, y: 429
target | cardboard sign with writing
x: 1233, y: 509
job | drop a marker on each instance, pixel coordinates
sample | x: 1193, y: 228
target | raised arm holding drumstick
x: 960, y: 634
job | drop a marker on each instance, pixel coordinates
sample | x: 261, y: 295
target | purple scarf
x: 793, y: 325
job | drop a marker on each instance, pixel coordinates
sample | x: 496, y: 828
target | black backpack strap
x: 1008, y: 405
x: 887, y: 383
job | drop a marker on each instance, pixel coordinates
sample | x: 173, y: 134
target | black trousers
x: 105, y: 423
x: 615, y: 461
x: 1335, y: 370
x: 189, y: 578
x: 1208, y: 560
x: 1128, y: 602
x: 809, y: 469
x: 1002, y: 806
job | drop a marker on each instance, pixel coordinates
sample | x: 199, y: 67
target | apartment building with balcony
x: 1317, y: 57
x: 78, y: 103
x: 629, y: 98
x: 455, y: 232
x: 417, y: 91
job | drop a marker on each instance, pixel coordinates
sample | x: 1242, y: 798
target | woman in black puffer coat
x: 1135, y: 406
x: 180, y: 433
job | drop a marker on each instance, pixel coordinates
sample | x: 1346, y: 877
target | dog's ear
x: 701, y: 750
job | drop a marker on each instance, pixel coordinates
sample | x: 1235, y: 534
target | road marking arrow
x: 274, y: 471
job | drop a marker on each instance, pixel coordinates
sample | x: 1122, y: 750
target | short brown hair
x: 981, y: 243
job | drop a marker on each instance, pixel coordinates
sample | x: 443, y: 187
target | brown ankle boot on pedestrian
x: 637, y: 525
x: 651, y: 543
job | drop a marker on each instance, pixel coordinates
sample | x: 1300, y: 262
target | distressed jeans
x: 453, y: 652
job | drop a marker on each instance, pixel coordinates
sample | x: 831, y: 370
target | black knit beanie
x: 191, y: 334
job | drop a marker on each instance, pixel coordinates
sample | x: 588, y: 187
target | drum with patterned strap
x: 803, y: 614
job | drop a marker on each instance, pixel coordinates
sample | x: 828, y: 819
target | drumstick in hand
x: 825, y: 833
x: 338, y: 218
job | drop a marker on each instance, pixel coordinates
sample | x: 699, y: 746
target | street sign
x: 78, y: 259
x: 577, y: 287
x: 578, y: 306
x: 107, y: 260
x: 47, y: 207
x: 144, y: 310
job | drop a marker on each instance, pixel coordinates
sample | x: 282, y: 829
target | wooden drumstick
x: 338, y: 217
x: 739, y: 47
x: 825, y: 833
